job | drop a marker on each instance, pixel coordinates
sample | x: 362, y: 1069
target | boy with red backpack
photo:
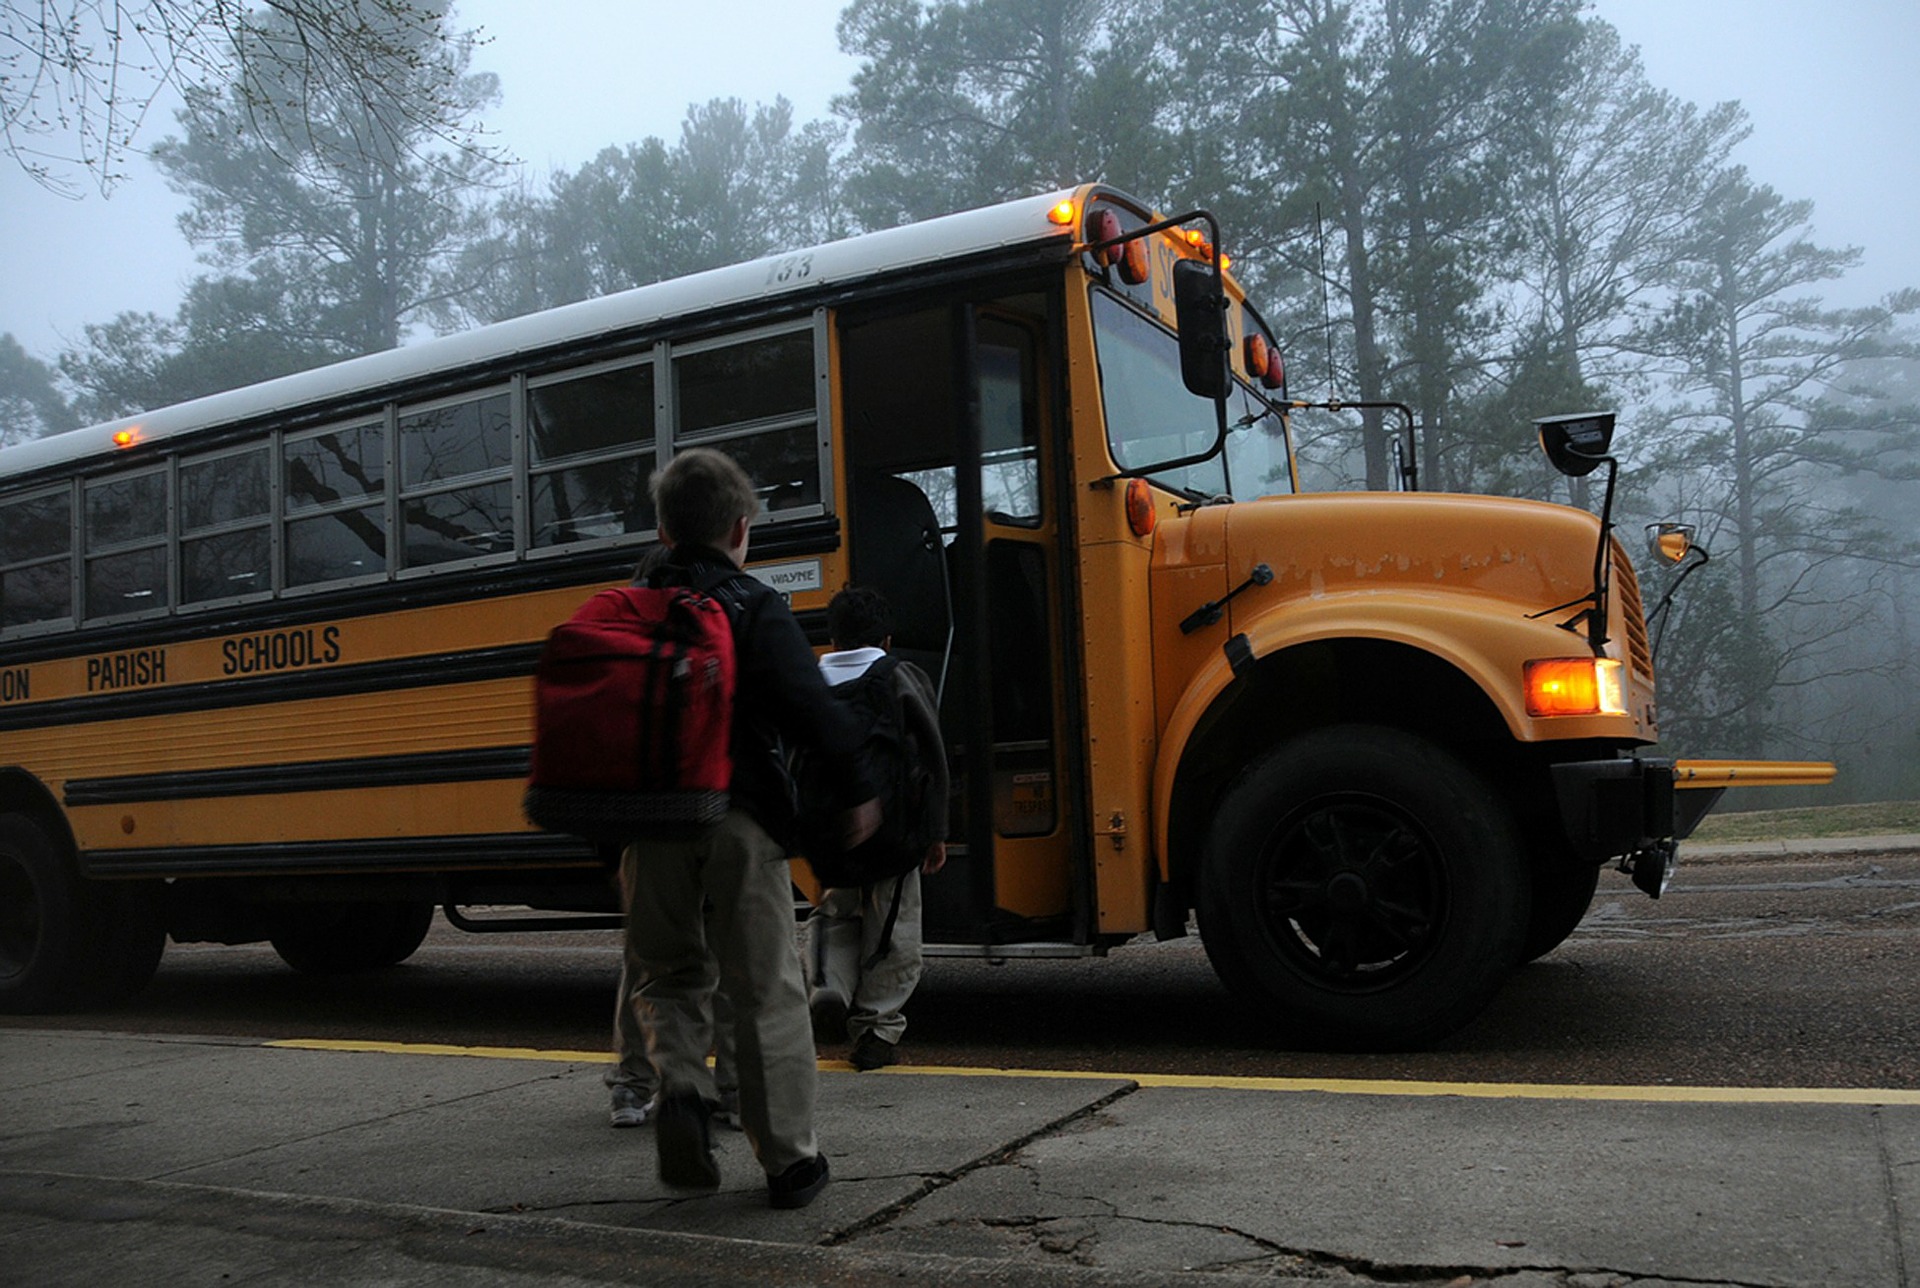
x: 735, y: 866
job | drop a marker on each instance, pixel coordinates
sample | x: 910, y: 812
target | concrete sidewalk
x: 124, y: 1159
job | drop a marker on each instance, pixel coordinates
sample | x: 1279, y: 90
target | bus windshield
x: 1151, y: 416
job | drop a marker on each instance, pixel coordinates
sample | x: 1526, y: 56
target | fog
x: 1830, y: 90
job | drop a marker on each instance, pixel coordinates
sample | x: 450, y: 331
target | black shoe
x: 873, y: 1052
x: 800, y: 1184
x: 685, y: 1138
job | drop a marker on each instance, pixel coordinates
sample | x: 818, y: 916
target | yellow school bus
x: 265, y: 657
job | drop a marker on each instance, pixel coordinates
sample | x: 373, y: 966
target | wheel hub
x: 1347, y: 892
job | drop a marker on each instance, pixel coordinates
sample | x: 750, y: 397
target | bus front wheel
x: 336, y: 938
x: 1563, y: 890
x: 1364, y: 888
x: 65, y: 942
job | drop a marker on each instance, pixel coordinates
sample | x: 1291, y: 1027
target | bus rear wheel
x: 1364, y: 888
x: 337, y: 938
x: 67, y: 943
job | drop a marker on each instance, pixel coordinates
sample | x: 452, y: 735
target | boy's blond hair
x: 700, y: 496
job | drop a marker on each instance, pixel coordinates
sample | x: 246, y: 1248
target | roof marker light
x: 126, y: 437
x: 1063, y: 213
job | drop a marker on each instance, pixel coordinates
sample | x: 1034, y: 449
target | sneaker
x: 829, y: 1011
x: 873, y: 1052
x: 685, y: 1139
x: 800, y: 1184
x: 631, y: 1108
x: 727, y: 1114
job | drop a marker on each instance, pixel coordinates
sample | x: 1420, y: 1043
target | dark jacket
x: 780, y: 700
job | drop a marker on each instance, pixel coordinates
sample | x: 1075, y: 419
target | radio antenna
x: 1326, y: 309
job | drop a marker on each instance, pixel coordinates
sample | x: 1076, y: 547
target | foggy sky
x: 1830, y: 90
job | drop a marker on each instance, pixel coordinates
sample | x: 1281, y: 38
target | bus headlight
x: 1576, y: 686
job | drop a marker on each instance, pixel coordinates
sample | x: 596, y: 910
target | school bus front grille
x: 1633, y: 614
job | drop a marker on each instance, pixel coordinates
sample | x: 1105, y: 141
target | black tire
x: 130, y: 937
x: 1364, y: 888
x: 43, y: 930
x: 1563, y: 889
x: 66, y: 943
x: 338, y: 938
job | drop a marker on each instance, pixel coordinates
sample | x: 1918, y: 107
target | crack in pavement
x: 1075, y: 1237
x: 941, y: 1180
x: 1884, y: 1147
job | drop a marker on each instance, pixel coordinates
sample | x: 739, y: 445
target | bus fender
x: 1440, y: 628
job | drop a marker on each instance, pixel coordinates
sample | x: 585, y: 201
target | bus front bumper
x: 1638, y: 808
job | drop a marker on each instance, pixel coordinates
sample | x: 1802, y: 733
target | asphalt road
x: 1748, y: 974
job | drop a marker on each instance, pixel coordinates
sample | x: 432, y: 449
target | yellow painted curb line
x: 1207, y: 1082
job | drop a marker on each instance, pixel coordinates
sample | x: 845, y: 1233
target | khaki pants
x: 740, y: 876
x: 632, y: 1067
x: 845, y: 930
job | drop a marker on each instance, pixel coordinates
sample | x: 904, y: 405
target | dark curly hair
x: 859, y: 617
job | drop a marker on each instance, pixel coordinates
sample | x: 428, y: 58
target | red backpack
x: 633, y: 714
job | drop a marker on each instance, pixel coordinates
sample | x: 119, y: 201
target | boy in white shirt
x: 865, y: 940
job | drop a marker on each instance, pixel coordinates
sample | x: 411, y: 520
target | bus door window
x: 1017, y: 633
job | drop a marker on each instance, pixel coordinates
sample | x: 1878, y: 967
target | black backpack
x: 898, y: 765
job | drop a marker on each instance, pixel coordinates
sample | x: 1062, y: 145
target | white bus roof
x: 836, y: 263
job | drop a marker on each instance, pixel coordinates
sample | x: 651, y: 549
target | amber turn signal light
x: 1140, y: 512
x: 1576, y: 686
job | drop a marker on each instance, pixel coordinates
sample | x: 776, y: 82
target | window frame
x: 182, y: 534
x: 71, y: 557
x: 667, y: 392
x: 88, y: 554
x: 284, y: 516
x: 650, y: 358
x: 400, y: 492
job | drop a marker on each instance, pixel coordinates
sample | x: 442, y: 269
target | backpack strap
x: 885, y: 945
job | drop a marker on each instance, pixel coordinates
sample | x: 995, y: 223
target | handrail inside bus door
x: 970, y: 537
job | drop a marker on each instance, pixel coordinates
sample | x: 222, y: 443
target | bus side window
x: 336, y: 505
x: 36, y: 559
x: 226, y: 505
x: 590, y: 449
x: 757, y: 400
x: 126, y: 543
x: 469, y: 445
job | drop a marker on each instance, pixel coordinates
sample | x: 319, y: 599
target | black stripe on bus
x: 308, y: 776
x: 374, y: 854
x: 280, y: 686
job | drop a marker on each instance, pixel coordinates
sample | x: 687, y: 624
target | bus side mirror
x: 1200, y: 312
x: 1576, y: 444
x: 1670, y: 543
